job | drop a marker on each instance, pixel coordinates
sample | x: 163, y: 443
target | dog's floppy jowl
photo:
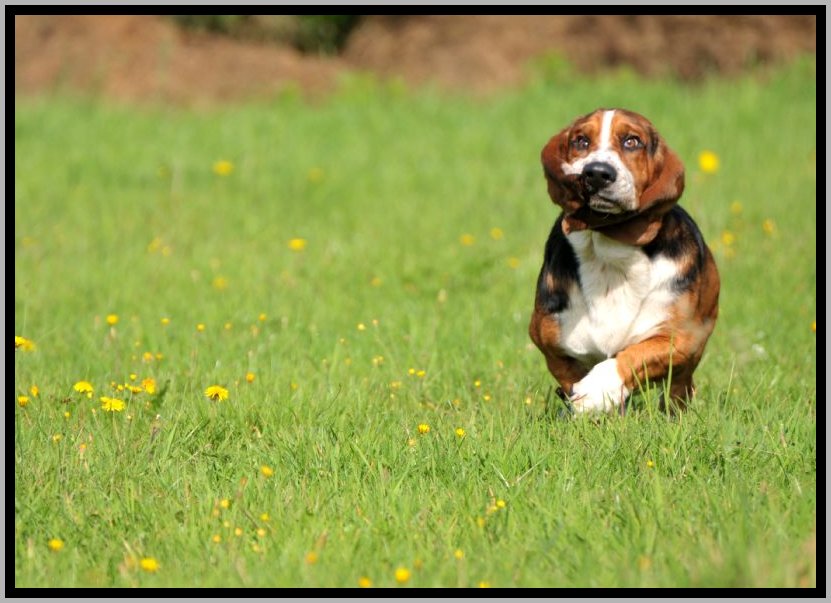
x: 628, y: 290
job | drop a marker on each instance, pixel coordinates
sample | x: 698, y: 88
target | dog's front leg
x: 602, y: 389
x: 566, y: 370
x: 610, y: 382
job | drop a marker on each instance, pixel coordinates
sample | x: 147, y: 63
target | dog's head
x: 611, y: 171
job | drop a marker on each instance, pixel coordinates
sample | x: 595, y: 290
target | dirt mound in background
x: 139, y: 58
x: 486, y: 52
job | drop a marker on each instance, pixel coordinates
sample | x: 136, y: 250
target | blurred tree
x: 309, y: 33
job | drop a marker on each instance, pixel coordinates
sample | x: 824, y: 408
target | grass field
x: 358, y: 273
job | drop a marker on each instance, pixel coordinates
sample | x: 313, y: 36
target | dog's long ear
x: 656, y: 200
x: 667, y: 181
x: 562, y: 187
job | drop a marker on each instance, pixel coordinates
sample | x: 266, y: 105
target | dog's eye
x: 580, y: 142
x: 632, y: 143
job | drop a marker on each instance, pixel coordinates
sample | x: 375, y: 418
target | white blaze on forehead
x: 606, y: 130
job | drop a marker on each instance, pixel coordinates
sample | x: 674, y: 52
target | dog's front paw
x: 601, y: 390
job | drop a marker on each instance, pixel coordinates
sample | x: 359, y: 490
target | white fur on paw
x: 601, y: 390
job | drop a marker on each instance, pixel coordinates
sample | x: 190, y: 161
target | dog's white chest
x: 623, y: 297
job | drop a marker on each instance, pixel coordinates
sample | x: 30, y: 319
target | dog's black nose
x: 598, y: 175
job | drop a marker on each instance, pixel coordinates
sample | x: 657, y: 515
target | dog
x: 628, y: 290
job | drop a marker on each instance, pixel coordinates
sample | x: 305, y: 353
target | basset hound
x: 628, y: 290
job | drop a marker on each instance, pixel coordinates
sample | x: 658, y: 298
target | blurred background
x: 209, y: 58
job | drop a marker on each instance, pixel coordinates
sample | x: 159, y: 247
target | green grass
x: 117, y: 210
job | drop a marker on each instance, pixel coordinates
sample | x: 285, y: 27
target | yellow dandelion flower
x: 421, y: 373
x: 467, y: 240
x: 262, y: 317
x: 219, y: 283
x: 266, y: 471
x: 480, y: 521
x: 644, y: 563
x: 650, y: 464
x: 112, y: 319
x: 22, y: 401
x: 484, y: 584
x: 708, y: 162
x: 315, y: 175
x: 364, y: 582
x: 486, y: 397
x: 216, y: 538
x: 477, y: 383
x: 361, y: 326
x: 34, y: 390
x: 133, y: 376
x: 228, y: 326
x: 249, y: 377
x: 217, y: 393
x: 148, y: 357
x: 237, y: 531
x: 501, y: 504
x: 57, y: 438
x: 728, y: 238
x: 411, y: 371
x: 26, y: 345
x: 375, y: 281
x: 83, y: 387
x: 736, y: 208
x: 133, y: 388
x: 460, y: 432
x: 496, y: 233
x: 768, y: 226
x: 311, y: 557
x: 423, y: 428
x: 402, y: 575
x: 149, y: 564
x: 814, y: 326
x: 165, y: 321
x: 55, y: 544
x: 149, y: 385
x: 297, y: 244
x: 200, y: 327
x: 459, y: 554
x: 111, y: 404
x: 223, y: 167
x: 225, y: 503
x: 261, y: 532
x: 67, y: 414
x: 265, y: 517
